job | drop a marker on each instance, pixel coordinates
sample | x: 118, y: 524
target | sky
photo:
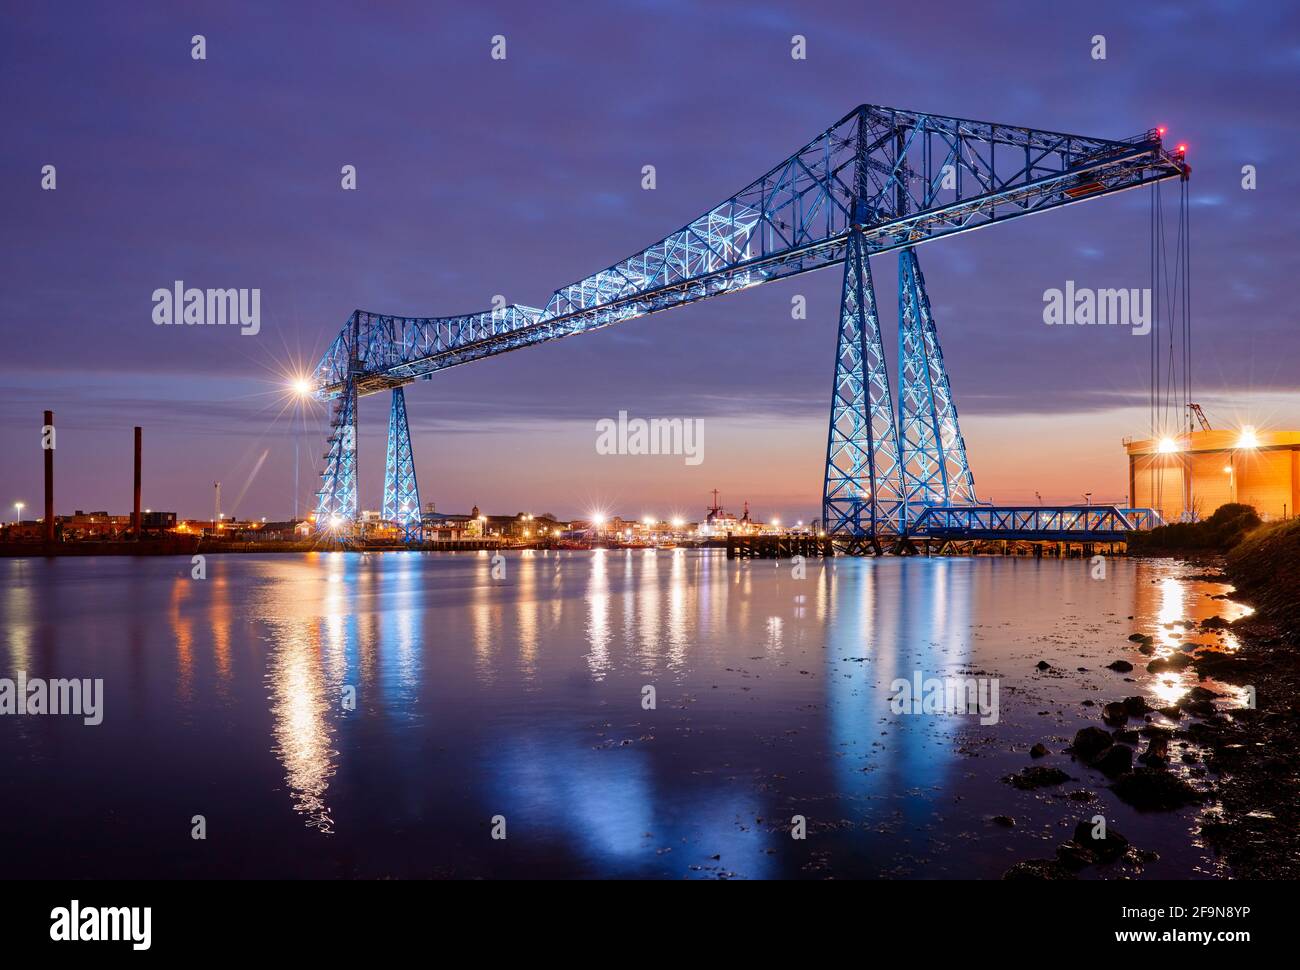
x: 478, y: 177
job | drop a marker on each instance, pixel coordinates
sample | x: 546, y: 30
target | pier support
x: 861, y: 500
x: 778, y: 547
x: 401, y: 492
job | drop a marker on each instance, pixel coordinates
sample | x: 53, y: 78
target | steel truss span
x: 1091, y: 523
x: 880, y: 179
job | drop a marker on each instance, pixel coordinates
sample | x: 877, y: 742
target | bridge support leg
x: 401, y: 493
x: 336, y: 502
x: 861, y: 499
x: 933, y: 469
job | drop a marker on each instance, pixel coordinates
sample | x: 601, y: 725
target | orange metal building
x: 1198, y: 471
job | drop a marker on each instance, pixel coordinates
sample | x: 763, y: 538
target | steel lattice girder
x: 1065, y: 523
x: 861, y: 496
x: 899, y: 177
x: 933, y: 462
x: 401, y: 493
x: 336, y: 502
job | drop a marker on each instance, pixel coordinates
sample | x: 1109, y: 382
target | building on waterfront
x: 101, y: 525
x: 247, y: 530
x: 1187, y: 476
x: 82, y: 526
x: 444, y: 525
x: 523, y: 526
x: 27, y: 530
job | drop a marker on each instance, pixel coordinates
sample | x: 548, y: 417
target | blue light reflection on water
x: 521, y: 696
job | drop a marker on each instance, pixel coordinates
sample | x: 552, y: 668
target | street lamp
x: 302, y: 388
x: 18, y: 506
x: 1247, y: 440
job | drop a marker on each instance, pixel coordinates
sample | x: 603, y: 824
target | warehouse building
x: 1188, y: 476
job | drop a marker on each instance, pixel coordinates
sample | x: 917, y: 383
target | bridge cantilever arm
x: 899, y: 177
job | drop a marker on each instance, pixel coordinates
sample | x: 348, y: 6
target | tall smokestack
x: 135, y: 515
x: 47, y: 442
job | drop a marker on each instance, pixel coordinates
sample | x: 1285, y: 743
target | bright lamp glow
x: 678, y: 523
x: 598, y: 519
x: 1247, y: 438
x: 301, y: 386
x: 1168, y: 446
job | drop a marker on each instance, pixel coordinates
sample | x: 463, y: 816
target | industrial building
x: 1186, y: 477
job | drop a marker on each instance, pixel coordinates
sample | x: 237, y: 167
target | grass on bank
x: 1265, y: 568
x: 1218, y: 534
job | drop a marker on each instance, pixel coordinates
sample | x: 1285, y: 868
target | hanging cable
x: 1187, y: 295
x: 1171, y: 335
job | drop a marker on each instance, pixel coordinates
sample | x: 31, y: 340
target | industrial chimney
x: 135, y: 514
x: 47, y: 442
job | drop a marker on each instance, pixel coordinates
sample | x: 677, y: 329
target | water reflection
x: 1177, y: 609
x: 303, y: 735
x: 598, y: 632
x: 906, y: 620
x: 183, y: 632
x: 306, y: 671
x: 521, y: 695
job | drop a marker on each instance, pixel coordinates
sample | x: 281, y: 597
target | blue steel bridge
x: 878, y: 180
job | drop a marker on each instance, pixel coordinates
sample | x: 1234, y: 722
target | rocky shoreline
x: 1239, y: 758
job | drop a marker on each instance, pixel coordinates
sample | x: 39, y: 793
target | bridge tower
x: 336, y: 502
x: 401, y: 493
x: 933, y: 465
x: 861, y: 499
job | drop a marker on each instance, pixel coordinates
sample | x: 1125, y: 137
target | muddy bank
x: 1265, y: 568
x: 1238, y: 756
x: 1258, y: 828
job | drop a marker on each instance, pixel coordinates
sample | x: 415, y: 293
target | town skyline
x: 1043, y: 409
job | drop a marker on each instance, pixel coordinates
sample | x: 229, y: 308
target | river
x: 386, y: 715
